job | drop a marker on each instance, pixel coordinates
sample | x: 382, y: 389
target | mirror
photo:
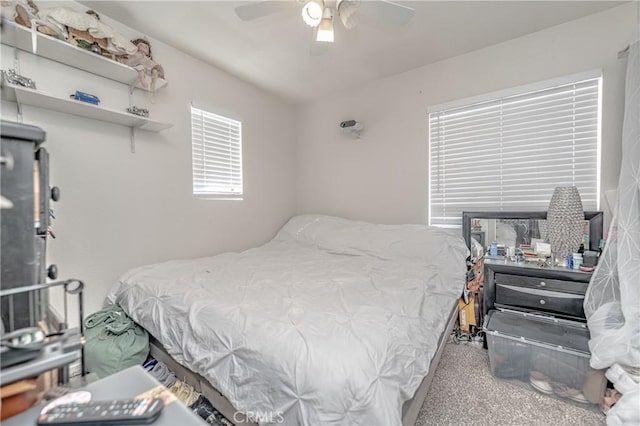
x: 519, y: 230
x: 513, y: 232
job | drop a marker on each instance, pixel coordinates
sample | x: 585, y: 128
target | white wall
x: 383, y: 177
x: 120, y: 210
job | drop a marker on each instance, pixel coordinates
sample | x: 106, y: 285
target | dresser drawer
x: 565, y: 286
x: 542, y: 300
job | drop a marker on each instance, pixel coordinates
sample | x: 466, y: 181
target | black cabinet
x: 554, y: 291
x: 536, y: 329
x: 24, y: 218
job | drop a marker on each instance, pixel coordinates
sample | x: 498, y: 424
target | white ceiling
x: 273, y: 52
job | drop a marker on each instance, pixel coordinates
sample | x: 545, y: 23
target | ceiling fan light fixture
x: 325, y: 29
x: 347, y: 12
x: 312, y: 12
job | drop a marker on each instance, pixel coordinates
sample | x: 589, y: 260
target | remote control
x: 116, y: 412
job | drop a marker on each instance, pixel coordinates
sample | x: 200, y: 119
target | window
x: 508, y: 151
x: 216, y: 144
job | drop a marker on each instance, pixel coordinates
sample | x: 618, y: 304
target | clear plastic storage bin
x: 551, y: 355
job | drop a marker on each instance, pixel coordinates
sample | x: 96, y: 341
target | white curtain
x: 612, y: 302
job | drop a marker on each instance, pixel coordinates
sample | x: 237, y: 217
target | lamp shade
x: 312, y: 12
x: 325, y: 29
x: 565, y: 222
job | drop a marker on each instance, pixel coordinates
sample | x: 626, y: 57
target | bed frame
x: 410, y: 409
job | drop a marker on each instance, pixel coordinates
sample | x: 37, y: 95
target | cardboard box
x: 466, y: 314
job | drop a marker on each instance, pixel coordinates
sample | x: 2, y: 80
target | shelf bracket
x: 19, y: 112
x: 133, y: 129
x: 133, y: 140
x: 34, y: 36
x: 16, y: 60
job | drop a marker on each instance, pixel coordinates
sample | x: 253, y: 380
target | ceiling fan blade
x: 255, y: 10
x: 387, y: 12
x: 317, y: 48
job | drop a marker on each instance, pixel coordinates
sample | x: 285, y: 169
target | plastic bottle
x: 493, y: 250
x: 601, y: 245
x: 577, y: 260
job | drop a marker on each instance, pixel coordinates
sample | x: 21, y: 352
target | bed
x: 332, y: 322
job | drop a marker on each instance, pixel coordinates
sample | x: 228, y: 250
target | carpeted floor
x: 464, y: 392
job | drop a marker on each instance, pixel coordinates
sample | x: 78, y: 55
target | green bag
x: 113, y: 342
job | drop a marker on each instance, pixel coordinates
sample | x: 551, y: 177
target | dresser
x: 552, y: 291
x: 534, y: 322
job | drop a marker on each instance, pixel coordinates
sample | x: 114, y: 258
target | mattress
x: 331, y: 322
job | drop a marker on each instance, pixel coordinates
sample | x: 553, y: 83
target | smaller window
x: 216, y: 144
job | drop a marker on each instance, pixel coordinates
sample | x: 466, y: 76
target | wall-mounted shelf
x: 20, y: 37
x: 24, y: 96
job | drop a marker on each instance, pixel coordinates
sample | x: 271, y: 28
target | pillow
x: 389, y: 242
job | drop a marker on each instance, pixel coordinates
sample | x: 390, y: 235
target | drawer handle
x: 542, y: 284
x: 542, y: 302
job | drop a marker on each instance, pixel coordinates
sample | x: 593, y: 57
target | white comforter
x: 332, y: 322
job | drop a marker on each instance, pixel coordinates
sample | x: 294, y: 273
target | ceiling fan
x: 319, y: 14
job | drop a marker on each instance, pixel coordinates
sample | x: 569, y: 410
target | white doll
x: 143, y: 62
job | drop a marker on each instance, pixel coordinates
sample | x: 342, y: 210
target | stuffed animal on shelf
x: 77, y: 28
x: 25, y: 13
x: 95, y: 38
x: 86, y: 31
x: 143, y: 62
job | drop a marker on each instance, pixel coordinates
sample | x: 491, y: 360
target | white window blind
x: 510, y: 152
x: 216, y: 143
